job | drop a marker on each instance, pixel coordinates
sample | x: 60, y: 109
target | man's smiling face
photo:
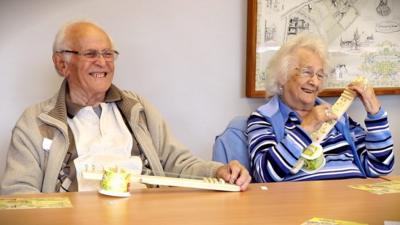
x: 91, y: 77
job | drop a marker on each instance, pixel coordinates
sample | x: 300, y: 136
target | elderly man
x: 91, y: 120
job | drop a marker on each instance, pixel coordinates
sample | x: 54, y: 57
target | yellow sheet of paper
x: 323, y: 221
x: 387, y: 187
x: 34, y: 203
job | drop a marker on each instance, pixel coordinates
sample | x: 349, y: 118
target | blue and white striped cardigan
x: 276, y: 141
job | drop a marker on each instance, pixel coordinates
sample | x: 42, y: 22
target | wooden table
x: 283, y: 203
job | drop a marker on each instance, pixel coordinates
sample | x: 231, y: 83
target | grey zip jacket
x: 33, y: 168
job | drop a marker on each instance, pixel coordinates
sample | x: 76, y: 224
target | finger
x: 358, y: 82
x: 224, y: 173
x: 234, y: 172
x: 244, y: 186
x: 244, y: 177
x: 324, y: 113
x: 324, y: 107
x: 329, y: 115
x: 358, y: 87
x: 369, y: 90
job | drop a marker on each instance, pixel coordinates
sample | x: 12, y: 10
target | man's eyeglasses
x: 93, y: 55
x: 307, y: 72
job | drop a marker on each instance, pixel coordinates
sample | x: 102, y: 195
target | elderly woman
x: 279, y: 131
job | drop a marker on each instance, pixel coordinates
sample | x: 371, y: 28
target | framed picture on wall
x: 363, y: 38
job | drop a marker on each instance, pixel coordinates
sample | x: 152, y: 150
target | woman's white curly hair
x: 284, y: 60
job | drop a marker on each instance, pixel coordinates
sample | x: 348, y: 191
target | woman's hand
x: 313, y: 120
x: 367, y: 95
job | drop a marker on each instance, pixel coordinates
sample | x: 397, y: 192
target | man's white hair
x: 62, y: 43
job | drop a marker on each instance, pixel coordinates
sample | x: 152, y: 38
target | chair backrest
x: 232, y: 143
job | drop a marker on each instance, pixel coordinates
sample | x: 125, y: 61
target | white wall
x: 187, y: 57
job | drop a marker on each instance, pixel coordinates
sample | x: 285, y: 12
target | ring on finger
x: 327, y: 112
x: 364, y: 88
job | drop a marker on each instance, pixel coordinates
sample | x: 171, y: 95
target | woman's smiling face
x: 305, y: 80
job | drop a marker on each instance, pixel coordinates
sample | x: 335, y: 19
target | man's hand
x: 234, y: 173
